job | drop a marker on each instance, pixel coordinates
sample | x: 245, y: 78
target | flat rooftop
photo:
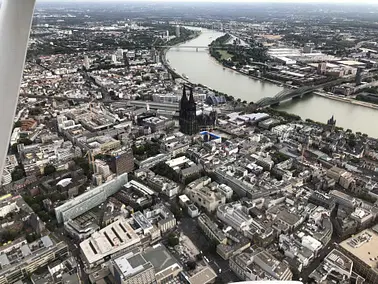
x: 109, y: 240
x: 204, y: 276
x: 363, y: 246
x: 132, y: 263
x: 351, y: 62
x: 157, y: 257
x: 160, y: 258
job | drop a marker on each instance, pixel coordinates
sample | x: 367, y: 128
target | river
x: 201, y: 68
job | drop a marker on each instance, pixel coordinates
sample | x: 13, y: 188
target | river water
x: 201, y: 68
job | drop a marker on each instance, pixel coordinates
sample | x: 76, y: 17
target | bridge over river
x: 288, y: 94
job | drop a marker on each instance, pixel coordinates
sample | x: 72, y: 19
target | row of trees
x: 284, y: 114
x: 146, y: 150
x: 166, y: 171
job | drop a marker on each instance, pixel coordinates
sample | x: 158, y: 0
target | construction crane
x: 305, y: 147
x: 91, y: 108
x: 91, y: 161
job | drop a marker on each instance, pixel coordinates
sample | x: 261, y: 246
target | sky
x: 230, y: 1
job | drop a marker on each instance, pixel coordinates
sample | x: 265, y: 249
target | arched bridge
x: 284, y: 95
x: 287, y: 94
x: 196, y: 47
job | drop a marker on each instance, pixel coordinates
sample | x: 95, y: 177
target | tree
x: 43, y: 215
x: 219, y: 280
x: 191, y: 265
x: 49, y: 169
x: 177, y: 211
x: 17, y: 124
x: 36, y: 207
x: 83, y: 163
x: 173, y: 240
x: 31, y: 237
x: 352, y: 143
x: 82, y: 189
x: 25, y: 141
x: 14, y: 148
x: 18, y: 173
x: 35, y: 111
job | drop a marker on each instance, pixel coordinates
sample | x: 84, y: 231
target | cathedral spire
x: 191, y: 97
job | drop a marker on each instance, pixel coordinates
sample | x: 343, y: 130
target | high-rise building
x: 86, y: 62
x: 359, y: 76
x: 122, y: 162
x: 322, y: 68
x: 307, y: 48
x: 6, y: 178
x: 126, y: 60
x: 114, y: 59
x: 188, y: 109
x: 178, y: 31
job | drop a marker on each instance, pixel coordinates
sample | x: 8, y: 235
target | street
x: 189, y: 227
x: 75, y: 251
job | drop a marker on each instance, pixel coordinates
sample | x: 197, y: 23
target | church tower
x: 188, y: 110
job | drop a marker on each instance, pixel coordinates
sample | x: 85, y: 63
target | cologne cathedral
x: 190, y: 122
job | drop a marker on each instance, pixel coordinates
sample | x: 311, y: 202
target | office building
x: 6, y: 178
x: 162, y: 216
x: 152, y: 161
x: 86, y: 64
x: 82, y: 227
x: 322, y: 199
x: 234, y: 215
x: 178, y: 31
x: 88, y: 200
x: 363, y: 217
x: 359, y: 76
x: 8, y: 204
x: 122, y: 162
x: 236, y: 244
x: 206, y: 198
x: 322, y: 68
x: 344, y: 200
x: 20, y: 259
x: 114, y: 238
x: 211, y: 230
x: 102, y: 168
x: 336, y: 266
x: 136, y: 195
x: 192, y: 210
x: 133, y: 268
x: 153, y: 265
x: 260, y: 265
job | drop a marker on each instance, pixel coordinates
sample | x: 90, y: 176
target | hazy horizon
x: 225, y: 1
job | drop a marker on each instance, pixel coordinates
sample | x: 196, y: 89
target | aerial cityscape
x: 189, y: 142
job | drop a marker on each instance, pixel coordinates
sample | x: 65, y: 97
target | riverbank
x: 278, y: 83
x: 163, y: 56
x: 347, y: 100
